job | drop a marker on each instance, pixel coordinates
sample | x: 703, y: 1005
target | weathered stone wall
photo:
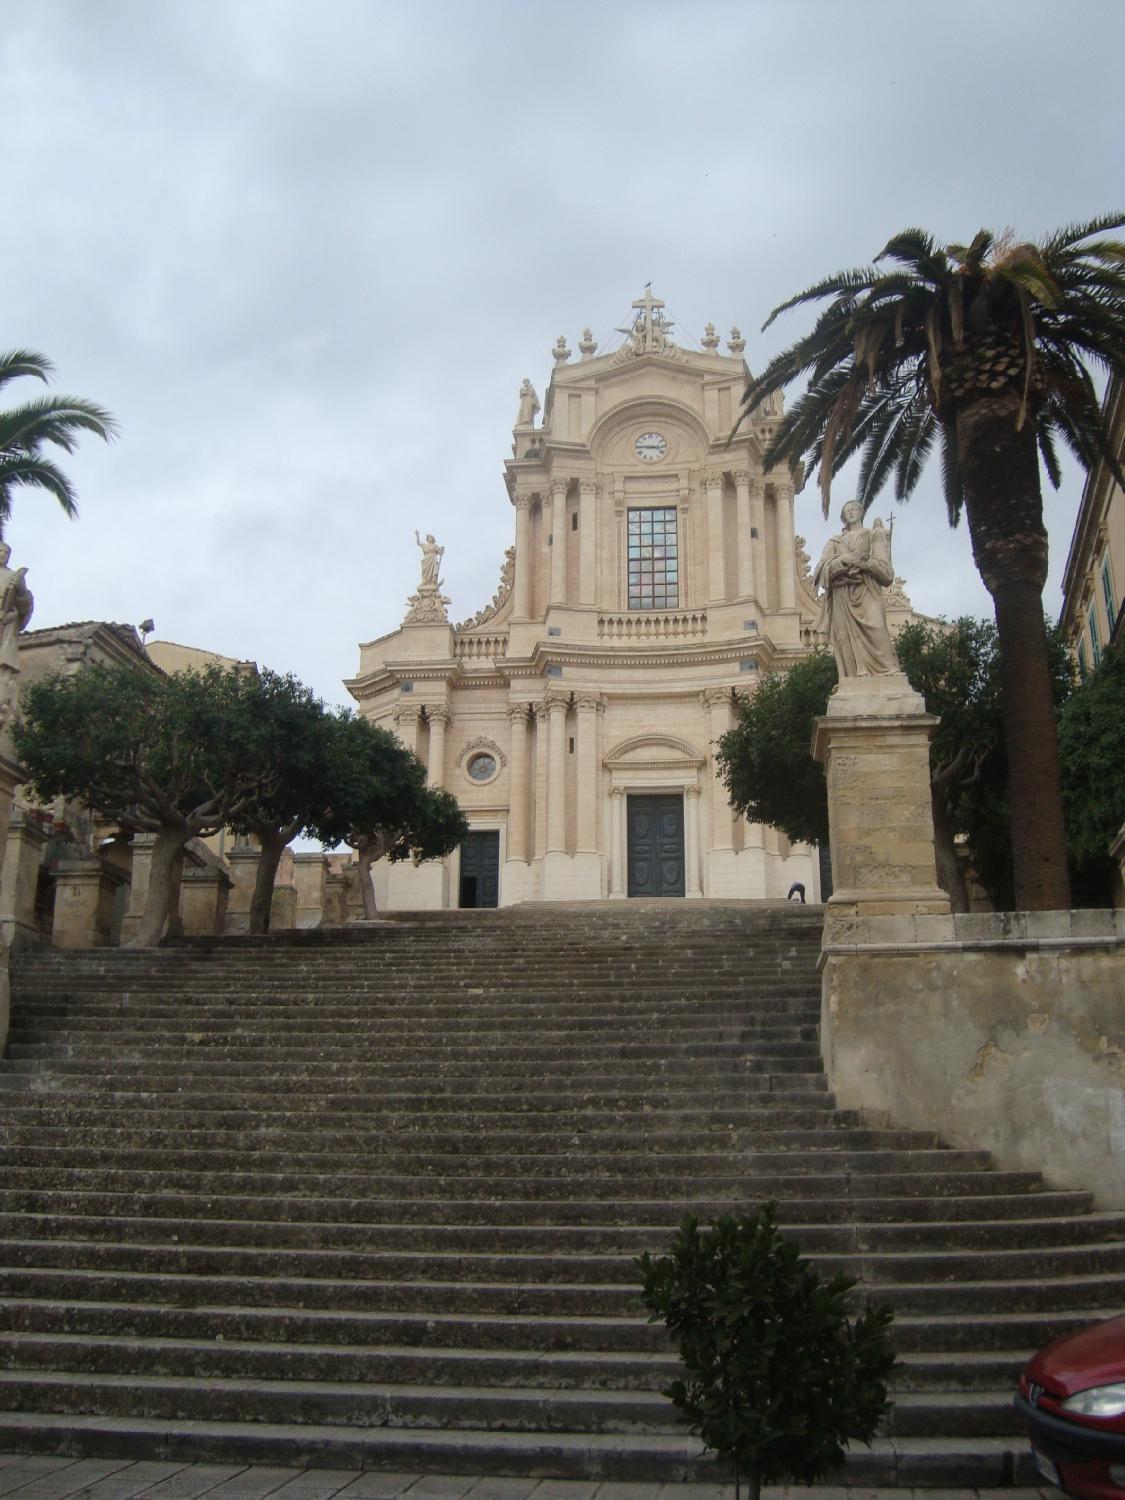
x: 997, y: 1030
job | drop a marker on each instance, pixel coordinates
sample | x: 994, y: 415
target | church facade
x: 655, y: 577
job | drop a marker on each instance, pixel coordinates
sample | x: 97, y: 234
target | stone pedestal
x: 310, y: 876
x: 243, y: 864
x: 204, y: 893
x: 84, y: 892
x: 874, y: 743
x: 19, y: 881
x: 283, y: 908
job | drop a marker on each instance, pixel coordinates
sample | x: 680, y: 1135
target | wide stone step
x: 526, y: 1265
x: 904, y: 1463
x: 834, y: 1204
x: 600, y: 1238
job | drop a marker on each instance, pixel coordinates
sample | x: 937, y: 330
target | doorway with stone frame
x: 655, y: 844
x: 478, y: 882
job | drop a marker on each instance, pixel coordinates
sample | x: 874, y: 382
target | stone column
x: 440, y: 715
x: 84, y: 891
x: 556, y: 777
x: 518, y: 803
x: 589, y: 706
x: 716, y: 555
x: 20, y: 880
x: 559, y: 488
x: 587, y: 542
x: 617, y: 840
x: 745, y: 541
x: 691, y: 840
x: 758, y: 543
x: 521, y: 583
x: 874, y: 743
x: 542, y: 775
x: 786, y: 547
x: 685, y: 548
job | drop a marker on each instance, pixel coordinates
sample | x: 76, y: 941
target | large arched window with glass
x: 654, y: 558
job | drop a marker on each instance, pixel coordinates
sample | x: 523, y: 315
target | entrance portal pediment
x: 651, y: 752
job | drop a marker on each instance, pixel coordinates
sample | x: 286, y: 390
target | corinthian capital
x: 559, y: 486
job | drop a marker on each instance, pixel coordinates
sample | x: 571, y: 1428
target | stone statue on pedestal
x: 529, y: 405
x: 429, y: 605
x: 853, y: 570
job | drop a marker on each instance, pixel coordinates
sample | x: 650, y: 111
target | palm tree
x: 26, y: 429
x: 988, y: 347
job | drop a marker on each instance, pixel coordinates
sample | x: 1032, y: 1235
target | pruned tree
x: 381, y: 804
x: 174, y: 756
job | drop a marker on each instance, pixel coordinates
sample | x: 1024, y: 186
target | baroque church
x: 655, y: 578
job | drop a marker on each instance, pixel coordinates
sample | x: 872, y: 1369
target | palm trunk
x: 1000, y: 469
x: 167, y: 854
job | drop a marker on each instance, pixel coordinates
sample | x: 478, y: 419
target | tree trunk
x: 951, y: 877
x: 273, y: 843
x: 166, y: 852
x: 1003, y: 502
x: 367, y: 852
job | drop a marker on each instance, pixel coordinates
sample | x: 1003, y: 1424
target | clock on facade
x: 650, y: 447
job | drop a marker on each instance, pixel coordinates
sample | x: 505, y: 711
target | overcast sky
x: 306, y: 253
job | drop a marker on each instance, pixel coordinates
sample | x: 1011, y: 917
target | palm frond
x: 952, y: 483
x: 24, y: 469
x: 1048, y: 455
x: 20, y: 362
x: 843, y: 282
x: 54, y: 419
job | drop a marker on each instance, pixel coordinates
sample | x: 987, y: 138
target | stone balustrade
x: 652, y: 625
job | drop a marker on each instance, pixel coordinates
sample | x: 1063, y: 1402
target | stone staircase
x: 371, y: 1198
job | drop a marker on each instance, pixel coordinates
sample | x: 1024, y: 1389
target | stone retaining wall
x: 999, y: 1030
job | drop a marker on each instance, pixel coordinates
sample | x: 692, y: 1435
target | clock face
x: 651, y: 447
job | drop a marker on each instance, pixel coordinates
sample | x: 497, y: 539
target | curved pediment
x: 654, y: 750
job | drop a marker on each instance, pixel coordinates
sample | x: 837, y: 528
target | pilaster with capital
x: 556, y: 775
x: 559, y: 489
x: 440, y: 716
x: 718, y: 703
x: 742, y: 483
x: 406, y: 724
x: 716, y: 555
x: 519, y: 795
x: 758, y: 543
x: 542, y: 718
x: 521, y: 585
x: 589, y: 708
x: 587, y: 541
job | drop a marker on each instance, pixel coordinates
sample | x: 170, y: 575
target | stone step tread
x: 957, y: 1236
x: 902, y: 1462
x: 973, y: 1265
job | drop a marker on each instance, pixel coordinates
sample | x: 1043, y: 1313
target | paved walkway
x: 41, y: 1478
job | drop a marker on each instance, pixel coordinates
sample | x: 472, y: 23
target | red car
x: 1072, y: 1396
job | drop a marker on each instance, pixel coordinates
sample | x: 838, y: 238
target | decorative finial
x: 736, y: 343
x: 560, y: 351
x: 586, y: 344
x: 649, y: 331
x: 710, y: 338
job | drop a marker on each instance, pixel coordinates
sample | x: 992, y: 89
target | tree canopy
x: 1092, y: 742
x: 985, y: 347
x: 185, y: 755
x: 26, y: 430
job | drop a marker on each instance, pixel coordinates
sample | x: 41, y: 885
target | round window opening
x: 482, y: 766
